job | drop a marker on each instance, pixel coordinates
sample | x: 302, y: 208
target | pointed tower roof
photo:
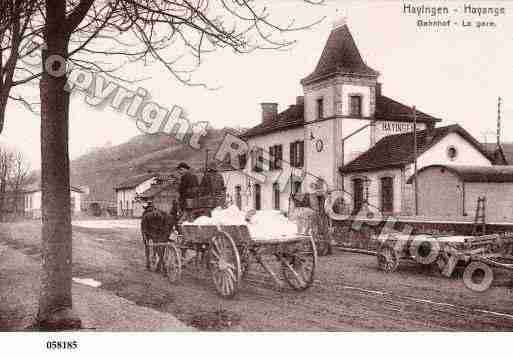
x: 340, y: 56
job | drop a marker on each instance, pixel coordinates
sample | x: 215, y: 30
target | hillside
x: 103, y: 168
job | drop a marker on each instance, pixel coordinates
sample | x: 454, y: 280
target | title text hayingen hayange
x: 467, y: 9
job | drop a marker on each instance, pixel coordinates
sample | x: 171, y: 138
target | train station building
x: 344, y: 133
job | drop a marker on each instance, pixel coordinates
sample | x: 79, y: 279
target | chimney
x: 269, y: 112
x: 300, y: 100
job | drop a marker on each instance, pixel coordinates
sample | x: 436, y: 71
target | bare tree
x: 17, y: 29
x: 6, y: 164
x: 101, y: 36
x: 18, y: 179
x: 14, y: 175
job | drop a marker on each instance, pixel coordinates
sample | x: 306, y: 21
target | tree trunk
x: 55, y: 303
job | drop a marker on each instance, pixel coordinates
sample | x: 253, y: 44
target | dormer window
x: 355, y: 105
x: 320, y: 108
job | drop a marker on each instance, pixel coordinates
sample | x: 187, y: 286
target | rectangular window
x: 258, y: 159
x: 357, y: 195
x: 297, y: 154
x: 292, y: 158
x: 320, y: 108
x: 275, y: 157
x: 356, y: 106
x: 301, y: 154
x: 242, y: 161
x: 387, y: 195
x: 258, y: 197
x: 276, y: 196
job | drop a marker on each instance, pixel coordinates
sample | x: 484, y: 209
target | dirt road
x: 350, y: 293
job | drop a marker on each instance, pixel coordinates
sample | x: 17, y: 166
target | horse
x: 156, y: 228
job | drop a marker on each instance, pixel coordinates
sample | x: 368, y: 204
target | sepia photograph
x: 255, y: 166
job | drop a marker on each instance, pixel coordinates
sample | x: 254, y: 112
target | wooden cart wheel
x: 172, y: 263
x: 298, y: 266
x: 225, y: 264
x: 478, y: 276
x: 387, y: 259
x: 153, y: 257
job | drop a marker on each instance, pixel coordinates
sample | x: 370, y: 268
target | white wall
x: 374, y: 188
x: 129, y: 194
x: 144, y: 186
x: 349, y: 90
x: 328, y: 91
x: 467, y: 154
x: 235, y: 178
x: 33, y: 203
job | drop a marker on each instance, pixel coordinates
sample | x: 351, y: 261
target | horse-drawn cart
x: 228, y: 252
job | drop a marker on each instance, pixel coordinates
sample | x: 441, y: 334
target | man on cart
x: 188, y: 185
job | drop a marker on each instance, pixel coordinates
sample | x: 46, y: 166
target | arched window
x: 358, y: 194
x: 355, y: 105
x: 387, y: 195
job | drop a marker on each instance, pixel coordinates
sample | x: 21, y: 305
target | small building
x: 127, y: 192
x: 378, y: 178
x: 33, y: 201
x: 162, y: 193
x: 452, y: 191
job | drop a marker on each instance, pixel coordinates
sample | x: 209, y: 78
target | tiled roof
x: 134, y: 181
x: 388, y: 109
x: 397, y: 150
x: 290, y: 118
x: 496, y: 174
x: 340, y: 56
x: 155, y: 189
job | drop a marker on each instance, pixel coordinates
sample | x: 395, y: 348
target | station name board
x: 397, y: 127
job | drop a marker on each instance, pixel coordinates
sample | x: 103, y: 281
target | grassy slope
x: 103, y: 168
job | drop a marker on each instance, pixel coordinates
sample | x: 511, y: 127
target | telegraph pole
x: 499, y: 122
x: 415, y: 160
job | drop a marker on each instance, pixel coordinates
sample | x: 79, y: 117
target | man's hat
x: 183, y: 165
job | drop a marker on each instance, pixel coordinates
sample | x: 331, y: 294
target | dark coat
x: 188, y: 183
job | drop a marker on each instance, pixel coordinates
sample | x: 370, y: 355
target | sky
x: 452, y: 73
